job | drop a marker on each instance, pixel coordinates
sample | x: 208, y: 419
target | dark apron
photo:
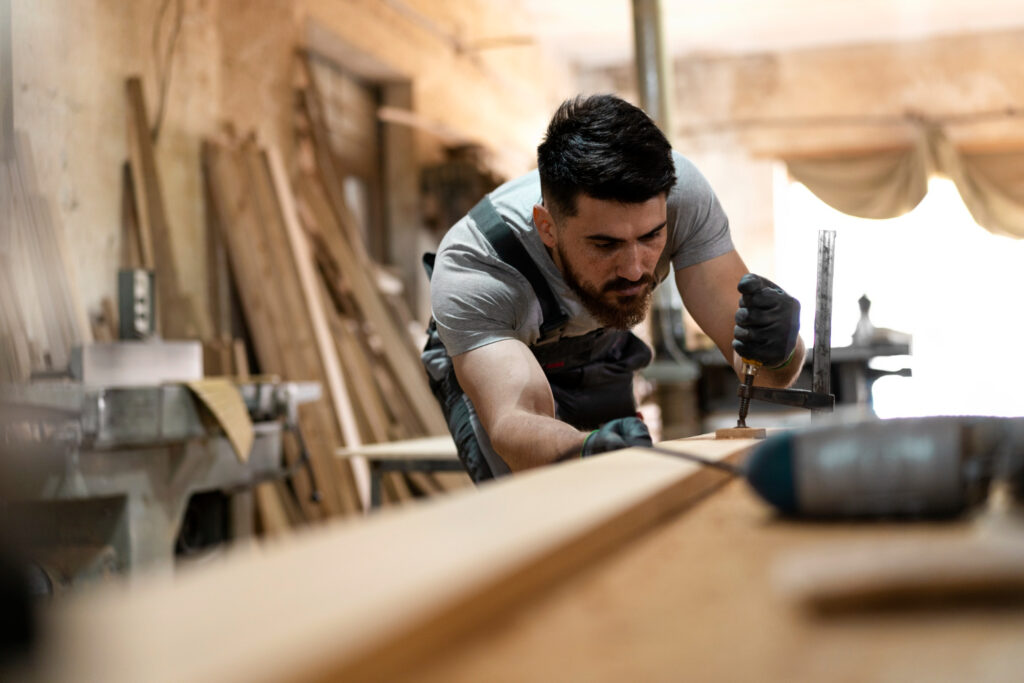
x: 591, y: 375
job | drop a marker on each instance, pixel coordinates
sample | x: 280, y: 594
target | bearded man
x: 535, y: 291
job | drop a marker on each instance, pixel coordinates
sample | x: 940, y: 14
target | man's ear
x: 545, y: 226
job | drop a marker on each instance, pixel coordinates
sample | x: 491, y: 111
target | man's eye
x: 605, y: 246
x: 651, y: 236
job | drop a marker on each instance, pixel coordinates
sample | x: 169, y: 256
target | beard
x: 608, y: 308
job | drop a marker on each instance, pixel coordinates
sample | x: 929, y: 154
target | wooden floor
x: 694, y: 600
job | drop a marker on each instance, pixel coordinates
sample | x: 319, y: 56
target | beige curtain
x: 891, y: 183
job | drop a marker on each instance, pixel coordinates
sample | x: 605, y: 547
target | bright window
x: 933, y: 273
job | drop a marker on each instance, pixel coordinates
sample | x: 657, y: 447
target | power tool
x: 908, y: 467
x: 919, y: 467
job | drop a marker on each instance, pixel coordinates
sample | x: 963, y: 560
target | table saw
x: 111, y: 479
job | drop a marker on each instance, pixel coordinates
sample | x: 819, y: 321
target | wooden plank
x: 407, y: 369
x: 303, y: 259
x: 360, y: 377
x: 701, y: 595
x: 329, y: 174
x: 218, y: 272
x: 237, y: 220
x: 402, y: 181
x: 239, y: 360
x: 234, y: 208
x: 177, y: 314
x: 429, y: 447
x: 321, y: 430
x: 502, y: 545
x: 131, y: 237
x: 273, y: 518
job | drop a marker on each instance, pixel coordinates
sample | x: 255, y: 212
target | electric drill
x: 920, y: 467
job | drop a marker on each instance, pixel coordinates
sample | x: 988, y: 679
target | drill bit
x: 749, y: 370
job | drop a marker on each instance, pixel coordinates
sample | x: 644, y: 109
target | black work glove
x: 621, y: 433
x: 767, y: 322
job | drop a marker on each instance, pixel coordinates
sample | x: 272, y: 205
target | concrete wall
x: 233, y: 64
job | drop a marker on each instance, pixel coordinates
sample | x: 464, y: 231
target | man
x: 534, y: 292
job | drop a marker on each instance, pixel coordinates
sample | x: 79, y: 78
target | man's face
x: 607, y: 253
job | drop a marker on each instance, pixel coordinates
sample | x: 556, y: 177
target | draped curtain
x: 891, y: 183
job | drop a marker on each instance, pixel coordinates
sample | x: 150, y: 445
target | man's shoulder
x: 515, y: 200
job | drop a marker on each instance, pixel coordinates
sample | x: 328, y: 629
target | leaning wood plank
x: 177, y: 314
x: 366, y: 601
x: 303, y: 259
x: 237, y: 221
x: 407, y: 369
x: 302, y: 360
x: 360, y: 380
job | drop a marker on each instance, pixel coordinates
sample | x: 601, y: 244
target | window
x: 933, y: 273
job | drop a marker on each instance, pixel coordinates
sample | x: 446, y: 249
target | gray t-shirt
x: 478, y: 299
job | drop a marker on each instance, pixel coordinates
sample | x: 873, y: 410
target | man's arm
x: 513, y: 400
x: 709, y: 292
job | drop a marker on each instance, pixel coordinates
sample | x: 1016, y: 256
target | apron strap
x: 511, y: 251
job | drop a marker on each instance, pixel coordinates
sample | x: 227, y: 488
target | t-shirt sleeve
x: 701, y: 226
x: 475, y: 302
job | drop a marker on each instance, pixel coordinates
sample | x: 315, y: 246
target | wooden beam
x: 177, y: 314
x: 303, y: 258
x: 366, y: 601
x: 302, y: 360
x: 407, y: 368
x: 237, y: 220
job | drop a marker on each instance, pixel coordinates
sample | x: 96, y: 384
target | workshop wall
x: 733, y: 115
x: 233, y: 62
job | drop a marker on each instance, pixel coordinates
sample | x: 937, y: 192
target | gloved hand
x: 621, y: 433
x: 767, y: 322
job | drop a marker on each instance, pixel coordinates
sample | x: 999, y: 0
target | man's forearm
x: 526, y: 440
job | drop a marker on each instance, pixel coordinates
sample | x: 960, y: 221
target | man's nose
x: 631, y: 263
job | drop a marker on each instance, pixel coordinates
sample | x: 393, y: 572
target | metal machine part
x: 97, y: 480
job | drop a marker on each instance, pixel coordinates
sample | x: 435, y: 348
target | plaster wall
x: 232, y: 63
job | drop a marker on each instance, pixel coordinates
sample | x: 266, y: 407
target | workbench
x: 429, y: 454
x: 695, y: 600
x: 629, y: 566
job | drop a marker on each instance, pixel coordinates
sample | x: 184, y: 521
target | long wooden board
x: 179, y: 318
x: 700, y: 598
x: 360, y: 601
x: 239, y: 222
x: 407, y: 369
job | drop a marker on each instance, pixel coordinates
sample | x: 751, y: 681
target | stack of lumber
x: 41, y: 317
x: 284, y: 317
x: 371, y: 320
x: 315, y: 310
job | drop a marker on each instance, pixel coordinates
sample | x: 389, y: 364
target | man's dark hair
x: 606, y: 148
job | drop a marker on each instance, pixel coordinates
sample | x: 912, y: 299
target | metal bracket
x: 796, y: 398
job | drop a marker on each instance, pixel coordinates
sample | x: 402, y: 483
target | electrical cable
x: 734, y: 470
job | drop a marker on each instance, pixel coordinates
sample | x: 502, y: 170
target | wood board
x: 401, y: 583
x: 178, y: 316
x: 270, y: 317
x: 699, y: 595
